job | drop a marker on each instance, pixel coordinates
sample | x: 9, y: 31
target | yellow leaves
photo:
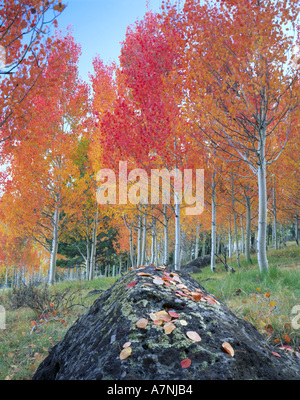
x: 163, y: 315
x: 126, y: 352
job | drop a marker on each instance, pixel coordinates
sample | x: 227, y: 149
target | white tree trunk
x: 93, y: 248
x: 139, y: 244
x: 54, y: 246
x: 203, y: 245
x: 262, y: 213
x: 177, y: 238
x: 235, y: 221
x: 242, y: 236
x: 248, y: 229
x: 144, y: 239
x: 166, y: 237
x: 197, y: 240
x: 296, y: 229
x: 213, y: 226
x: 275, y: 218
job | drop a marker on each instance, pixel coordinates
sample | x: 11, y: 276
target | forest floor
x: 265, y: 300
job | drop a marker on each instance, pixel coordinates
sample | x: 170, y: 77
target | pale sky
x: 100, y: 25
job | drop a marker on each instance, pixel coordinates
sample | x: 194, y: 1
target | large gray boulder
x: 92, y: 346
x: 196, y: 265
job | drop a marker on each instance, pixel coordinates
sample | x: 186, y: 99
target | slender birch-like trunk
x: 213, y: 226
x: 93, y: 248
x: 144, y: 239
x: 229, y: 239
x: 87, y: 261
x: 274, y: 218
x: 153, y: 240
x: 235, y: 222
x: 130, y: 241
x: 203, y: 244
x: 139, y: 241
x: 262, y: 201
x: 248, y: 229
x: 177, y: 238
x: 166, y: 236
x: 242, y: 236
x: 197, y: 240
x: 54, y: 245
x: 296, y: 229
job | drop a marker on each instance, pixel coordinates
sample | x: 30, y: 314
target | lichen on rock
x: 91, y: 348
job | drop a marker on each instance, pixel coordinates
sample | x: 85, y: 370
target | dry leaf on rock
x: 125, y: 353
x: 169, y: 327
x: 173, y: 314
x: 131, y: 284
x: 163, y: 315
x: 158, y: 281
x: 142, y: 323
x: 186, y: 363
x: 183, y: 322
x: 196, y: 296
x: 228, y: 348
x: 193, y: 336
x: 143, y: 274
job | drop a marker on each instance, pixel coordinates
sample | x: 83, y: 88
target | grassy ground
x: 265, y: 300
x: 23, y: 346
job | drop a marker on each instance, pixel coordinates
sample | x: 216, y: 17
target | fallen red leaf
x: 131, y: 284
x: 186, y: 363
x: 276, y: 354
x: 173, y: 314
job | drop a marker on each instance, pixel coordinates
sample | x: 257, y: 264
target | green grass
x: 21, y: 351
x: 243, y: 292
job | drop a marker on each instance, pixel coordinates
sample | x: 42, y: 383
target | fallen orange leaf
x: 142, y: 323
x: 287, y: 339
x: 196, y: 296
x: 228, y: 348
x: 169, y: 327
